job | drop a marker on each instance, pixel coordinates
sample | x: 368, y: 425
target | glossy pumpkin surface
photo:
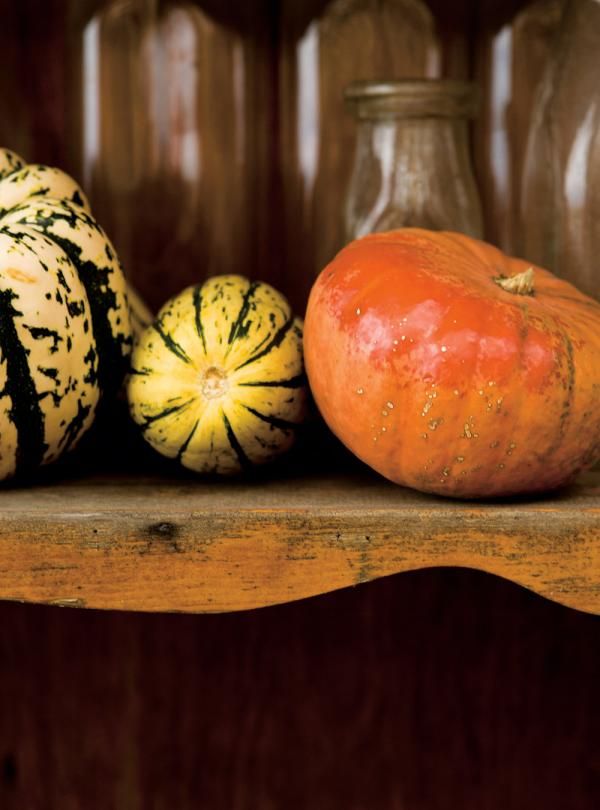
x: 217, y: 380
x: 432, y: 370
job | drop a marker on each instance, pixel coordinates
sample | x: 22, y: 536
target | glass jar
x: 560, y: 226
x: 512, y: 51
x: 323, y: 47
x: 412, y: 165
x: 170, y: 101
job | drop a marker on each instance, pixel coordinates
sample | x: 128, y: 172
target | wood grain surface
x: 176, y: 544
x: 441, y: 689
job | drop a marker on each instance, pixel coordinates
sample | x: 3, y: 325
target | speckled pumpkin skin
x: 441, y: 380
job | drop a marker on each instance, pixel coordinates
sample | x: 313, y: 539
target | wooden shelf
x: 157, y: 544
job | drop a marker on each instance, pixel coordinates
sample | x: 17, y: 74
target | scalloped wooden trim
x: 157, y: 545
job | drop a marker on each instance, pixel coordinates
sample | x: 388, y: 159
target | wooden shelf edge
x: 156, y: 545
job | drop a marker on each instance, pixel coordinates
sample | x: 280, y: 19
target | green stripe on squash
x: 65, y: 327
x: 234, y: 346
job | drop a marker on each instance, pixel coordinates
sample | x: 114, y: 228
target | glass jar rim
x: 412, y: 98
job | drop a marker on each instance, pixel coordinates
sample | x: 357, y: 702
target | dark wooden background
x: 430, y: 690
x: 436, y: 689
x: 40, y: 117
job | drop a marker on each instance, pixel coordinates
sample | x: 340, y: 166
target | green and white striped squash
x: 217, y: 381
x: 65, y: 333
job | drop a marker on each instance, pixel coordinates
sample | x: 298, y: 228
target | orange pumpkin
x: 451, y: 368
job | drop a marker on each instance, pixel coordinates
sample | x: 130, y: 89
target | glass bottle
x: 171, y: 150
x: 512, y: 53
x: 560, y: 226
x: 323, y: 47
x: 412, y: 164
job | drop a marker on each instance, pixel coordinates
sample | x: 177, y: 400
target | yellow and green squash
x: 65, y: 333
x: 217, y: 381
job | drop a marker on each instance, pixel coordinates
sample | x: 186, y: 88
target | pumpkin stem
x: 521, y: 284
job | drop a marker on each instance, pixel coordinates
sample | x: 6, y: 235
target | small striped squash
x: 65, y: 333
x: 217, y: 382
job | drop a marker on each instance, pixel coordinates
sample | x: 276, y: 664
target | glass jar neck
x: 412, y: 172
x: 412, y: 99
x: 426, y: 145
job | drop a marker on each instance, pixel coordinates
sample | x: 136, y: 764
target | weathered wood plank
x: 184, y: 545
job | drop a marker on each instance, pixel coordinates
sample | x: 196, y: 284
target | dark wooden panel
x: 33, y: 81
x: 41, y: 116
x: 428, y: 691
